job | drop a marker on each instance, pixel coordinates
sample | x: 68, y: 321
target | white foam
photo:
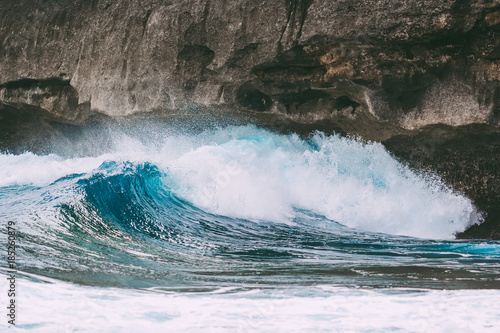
x: 250, y: 173
x: 262, y: 176
x: 64, y: 307
x: 29, y: 168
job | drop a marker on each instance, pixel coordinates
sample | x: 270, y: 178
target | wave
x: 239, y: 206
x: 249, y: 173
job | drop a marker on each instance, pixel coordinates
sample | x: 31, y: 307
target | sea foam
x: 250, y: 173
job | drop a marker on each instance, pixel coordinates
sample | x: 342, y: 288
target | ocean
x: 237, y: 228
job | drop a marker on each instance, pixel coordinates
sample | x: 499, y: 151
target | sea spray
x: 250, y: 173
x: 175, y: 229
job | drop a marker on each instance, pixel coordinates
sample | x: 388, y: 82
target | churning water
x: 240, y: 229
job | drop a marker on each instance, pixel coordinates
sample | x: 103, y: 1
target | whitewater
x: 241, y: 229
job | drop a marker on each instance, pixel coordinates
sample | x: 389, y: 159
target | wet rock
x: 467, y: 158
x: 26, y: 128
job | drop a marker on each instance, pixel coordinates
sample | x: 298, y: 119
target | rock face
x: 466, y: 157
x: 382, y: 69
x: 412, y: 63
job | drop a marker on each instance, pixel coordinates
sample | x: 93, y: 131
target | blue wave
x: 186, y: 216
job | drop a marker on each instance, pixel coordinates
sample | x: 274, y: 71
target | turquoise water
x: 242, y: 229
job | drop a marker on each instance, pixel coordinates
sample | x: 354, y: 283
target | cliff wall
x: 411, y: 63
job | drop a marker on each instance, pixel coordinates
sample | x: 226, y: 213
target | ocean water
x: 241, y: 229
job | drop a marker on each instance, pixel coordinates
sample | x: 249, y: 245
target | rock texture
x: 466, y: 157
x: 412, y: 63
x: 382, y: 69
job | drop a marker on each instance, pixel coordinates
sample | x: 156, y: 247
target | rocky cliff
x: 412, y: 63
x: 381, y: 69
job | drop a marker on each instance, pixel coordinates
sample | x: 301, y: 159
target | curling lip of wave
x: 249, y: 173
